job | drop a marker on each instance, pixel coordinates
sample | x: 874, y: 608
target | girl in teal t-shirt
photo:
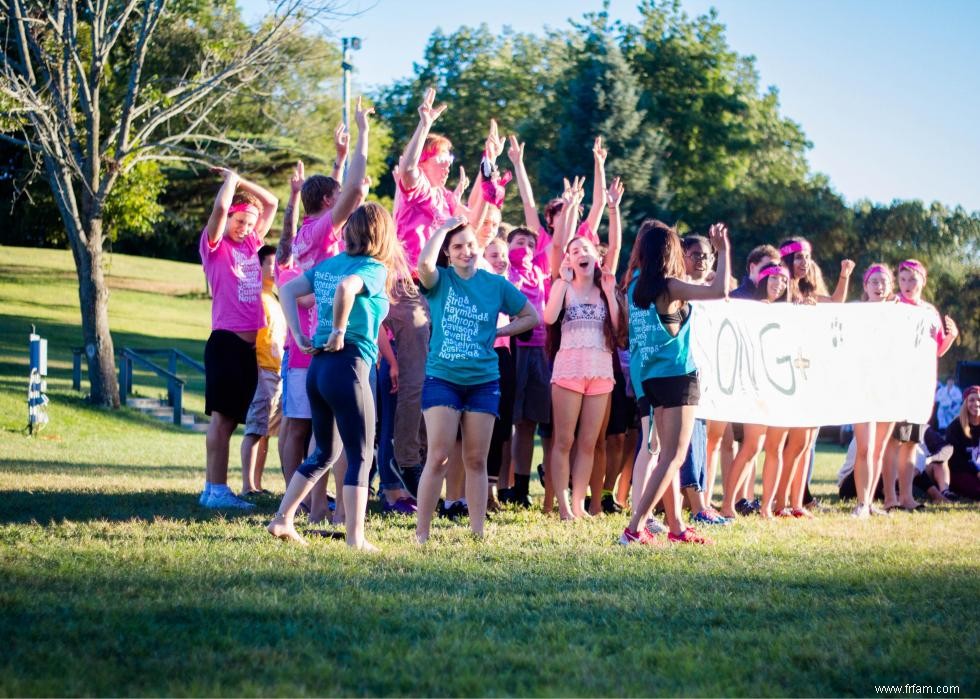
x: 352, y: 291
x: 461, y: 382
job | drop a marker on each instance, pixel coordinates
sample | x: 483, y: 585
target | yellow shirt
x: 270, y: 339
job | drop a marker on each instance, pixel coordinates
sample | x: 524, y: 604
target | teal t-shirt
x: 654, y: 352
x: 370, y: 305
x: 464, y: 325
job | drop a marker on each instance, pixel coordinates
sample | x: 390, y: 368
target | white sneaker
x: 655, y: 527
x: 226, y: 499
x: 861, y: 512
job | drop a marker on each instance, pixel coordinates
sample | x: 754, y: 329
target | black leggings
x: 342, y: 404
x: 503, y: 426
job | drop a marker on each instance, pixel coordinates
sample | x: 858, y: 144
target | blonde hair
x: 370, y: 232
x: 964, y: 417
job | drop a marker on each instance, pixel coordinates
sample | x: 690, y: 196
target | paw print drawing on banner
x: 921, y: 332
x: 837, y: 333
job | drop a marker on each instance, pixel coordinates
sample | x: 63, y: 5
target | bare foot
x: 765, y: 514
x: 365, y: 546
x: 421, y: 538
x: 280, y: 529
x: 730, y: 514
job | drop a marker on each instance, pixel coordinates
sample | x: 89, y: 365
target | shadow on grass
x: 48, y: 507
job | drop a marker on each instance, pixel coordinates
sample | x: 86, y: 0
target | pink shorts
x: 592, y: 386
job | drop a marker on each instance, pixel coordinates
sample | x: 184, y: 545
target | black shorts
x: 622, y: 410
x: 673, y: 391
x: 231, y: 374
x: 907, y: 432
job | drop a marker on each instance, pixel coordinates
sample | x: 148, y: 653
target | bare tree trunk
x: 94, y: 297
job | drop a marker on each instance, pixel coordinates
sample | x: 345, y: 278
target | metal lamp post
x: 349, y: 43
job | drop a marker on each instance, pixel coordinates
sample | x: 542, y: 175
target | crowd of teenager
x: 429, y: 346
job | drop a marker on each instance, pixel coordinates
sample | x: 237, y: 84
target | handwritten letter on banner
x: 806, y: 366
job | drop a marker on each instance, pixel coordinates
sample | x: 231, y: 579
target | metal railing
x: 128, y: 357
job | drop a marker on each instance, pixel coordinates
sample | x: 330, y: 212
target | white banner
x: 806, y: 366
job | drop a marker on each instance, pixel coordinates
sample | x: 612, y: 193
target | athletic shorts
x: 622, y: 409
x: 231, y: 373
x: 476, y: 398
x: 296, y: 403
x: 672, y: 391
x: 907, y: 432
x: 265, y: 410
x: 532, y: 393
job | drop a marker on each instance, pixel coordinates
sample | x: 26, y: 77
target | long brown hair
x: 660, y: 258
x: 370, y: 232
x: 812, y: 283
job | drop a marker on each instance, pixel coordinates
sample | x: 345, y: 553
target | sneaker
x: 609, y: 504
x: 641, y: 537
x: 204, y: 497
x: 785, y: 512
x: 801, y: 513
x: 409, y: 477
x: 689, y: 536
x: 950, y: 495
x: 401, y: 506
x: 710, y: 516
x: 942, y: 454
x: 744, y: 507
x: 505, y: 496
x: 861, y: 512
x: 540, y: 470
x: 455, y: 512
x: 226, y: 500
x: 654, y: 527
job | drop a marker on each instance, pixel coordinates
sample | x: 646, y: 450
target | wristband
x: 339, y: 331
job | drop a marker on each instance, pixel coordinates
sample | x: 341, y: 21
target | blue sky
x: 887, y: 92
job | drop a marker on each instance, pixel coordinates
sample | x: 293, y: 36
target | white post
x: 346, y: 65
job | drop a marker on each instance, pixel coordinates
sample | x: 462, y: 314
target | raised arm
x: 718, y: 288
x: 409, y: 162
x: 270, y: 203
x: 341, y: 143
x: 598, y: 185
x: 288, y: 293
x: 290, y: 219
x: 516, y: 155
x: 840, y: 293
x: 219, y: 210
x: 353, y: 193
x: 613, y: 197
x: 343, y: 301
x: 476, y: 207
x: 428, y: 273
x: 566, y: 223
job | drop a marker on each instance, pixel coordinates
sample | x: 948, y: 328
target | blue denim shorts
x: 478, y: 398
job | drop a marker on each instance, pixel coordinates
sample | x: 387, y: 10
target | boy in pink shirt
x: 240, y: 218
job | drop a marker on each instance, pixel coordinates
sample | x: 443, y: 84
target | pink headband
x: 872, y: 270
x: 244, y: 206
x: 914, y: 266
x: 795, y: 246
x: 778, y: 270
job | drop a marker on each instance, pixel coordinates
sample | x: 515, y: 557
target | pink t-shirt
x: 307, y: 320
x: 530, y: 280
x: 316, y: 240
x: 234, y: 274
x: 419, y: 211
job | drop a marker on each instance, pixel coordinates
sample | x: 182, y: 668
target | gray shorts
x: 264, y: 412
x: 532, y: 393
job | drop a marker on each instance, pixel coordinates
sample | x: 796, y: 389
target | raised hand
x: 566, y: 271
x: 427, y: 112
x: 452, y: 223
x: 298, y: 178
x: 516, y: 151
x: 341, y: 141
x: 598, y: 152
x: 462, y: 185
x: 495, y: 142
x: 718, y: 235
x: 361, y: 115
x: 614, y: 195
x: 225, y: 173
x: 846, y: 267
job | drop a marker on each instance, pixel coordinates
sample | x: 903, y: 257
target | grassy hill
x: 114, y: 582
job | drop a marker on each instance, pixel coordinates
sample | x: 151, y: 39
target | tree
x: 77, y: 92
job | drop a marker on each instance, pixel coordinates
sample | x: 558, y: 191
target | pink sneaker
x: 641, y: 537
x: 689, y: 536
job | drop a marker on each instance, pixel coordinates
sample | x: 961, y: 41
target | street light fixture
x: 348, y: 43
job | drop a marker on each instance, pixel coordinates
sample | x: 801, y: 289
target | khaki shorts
x: 265, y: 411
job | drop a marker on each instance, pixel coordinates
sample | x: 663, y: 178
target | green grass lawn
x: 114, y: 582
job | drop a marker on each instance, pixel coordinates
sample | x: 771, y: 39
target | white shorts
x: 296, y: 404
